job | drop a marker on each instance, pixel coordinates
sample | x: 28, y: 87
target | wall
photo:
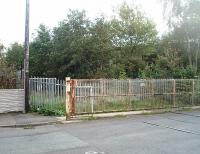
x: 11, y: 100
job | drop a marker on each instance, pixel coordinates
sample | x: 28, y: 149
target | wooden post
x: 68, y: 87
x: 26, y: 59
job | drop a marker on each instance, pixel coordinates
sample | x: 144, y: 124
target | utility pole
x: 26, y: 59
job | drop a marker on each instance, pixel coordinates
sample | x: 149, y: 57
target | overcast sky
x: 50, y: 12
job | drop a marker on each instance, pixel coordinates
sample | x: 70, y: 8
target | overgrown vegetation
x: 51, y: 107
x: 124, y: 104
x: 7, y: 73
x: 47, y: 110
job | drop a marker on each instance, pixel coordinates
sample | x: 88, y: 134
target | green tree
x: 15, y: 56
x: 184, y: 23
x: 100, y: 48
x: 2, y: 59
x: 5, y: 71
x: 40, y: 53
x: 70, y: 40
x: 134, y: 36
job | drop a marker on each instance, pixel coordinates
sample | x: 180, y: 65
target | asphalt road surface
x: 171, y: 133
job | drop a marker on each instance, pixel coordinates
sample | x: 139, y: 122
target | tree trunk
x: 196, y: 56
x: 189, y: 51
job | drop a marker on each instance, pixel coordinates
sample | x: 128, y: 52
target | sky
x: 50, y: 12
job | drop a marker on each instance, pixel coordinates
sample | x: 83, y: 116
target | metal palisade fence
x: 107, y: 95
x: 47, y: 95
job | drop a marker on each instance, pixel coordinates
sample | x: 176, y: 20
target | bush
x: 56, y: 110
x: 184, y: 73
x: 154, y: 71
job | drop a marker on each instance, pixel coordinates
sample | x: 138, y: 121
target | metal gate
x: 11, y: 91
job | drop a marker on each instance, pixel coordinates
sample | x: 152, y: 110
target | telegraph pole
x: 26, y: 59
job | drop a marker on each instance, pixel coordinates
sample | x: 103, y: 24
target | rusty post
x: 70, y: 97
x: 68, y: 91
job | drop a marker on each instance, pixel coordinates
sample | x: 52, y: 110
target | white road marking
x: 94, y: 152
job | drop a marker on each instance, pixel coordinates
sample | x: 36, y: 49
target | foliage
x: 184, y: 22
x: 133, y: 103
x: 122, y: 75
x: 100, y: 48
x: 124, y: 46
x: 178, y: 50
x: 156, y: 71
x: 14, y: 56
x: 134, y: 36
x: 40, y: 53
x: 57, y: 110
x: 185, y: 73
x: 7, y: 73
x: 2, y: 57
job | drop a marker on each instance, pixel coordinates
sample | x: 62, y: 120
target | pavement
x: 168, y: 133
x: 35, y: 119
x: 21, y: 120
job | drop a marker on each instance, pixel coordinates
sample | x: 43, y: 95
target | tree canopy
x: 83, y: 48
x: 123, y: 46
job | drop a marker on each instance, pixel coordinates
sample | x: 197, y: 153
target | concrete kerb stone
x: 60, y: 120
x: 63, y: 120
x: 79, y: 118
x: 30, y: 124
x: 118, y: 114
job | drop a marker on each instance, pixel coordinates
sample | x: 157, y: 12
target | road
x: 170, y: 133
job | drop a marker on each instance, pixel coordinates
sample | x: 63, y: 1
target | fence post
x: 101, y: 88
x: 129, y: 87
x: 68, y: 87
x: 73, y: 97
x: 174, y: 92
x: 70, y: 97
x: 152, y: 87
x: 91, y: 99
x: 193, y: 92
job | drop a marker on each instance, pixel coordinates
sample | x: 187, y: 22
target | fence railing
x: 106, y: 95
x: 47, y: 95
